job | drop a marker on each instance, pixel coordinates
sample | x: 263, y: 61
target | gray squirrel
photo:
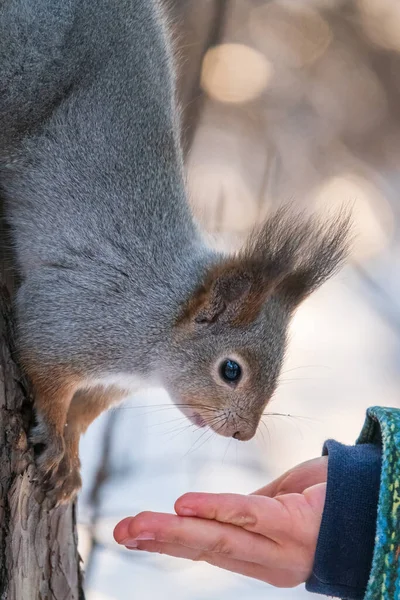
x: 118, y: 288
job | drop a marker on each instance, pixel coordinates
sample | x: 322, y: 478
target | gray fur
x: 91, y: 171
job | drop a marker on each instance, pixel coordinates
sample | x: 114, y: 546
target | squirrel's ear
x: 287, y: 257
x: 224, y: 290
x: 233, y: 292
x: 321, y: 256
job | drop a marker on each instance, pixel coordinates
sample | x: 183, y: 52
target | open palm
x: 270, y: 535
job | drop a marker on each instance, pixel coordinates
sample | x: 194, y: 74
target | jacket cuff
x: 345, y: 544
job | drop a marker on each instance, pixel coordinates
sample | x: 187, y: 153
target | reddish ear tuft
x: 287, y: 256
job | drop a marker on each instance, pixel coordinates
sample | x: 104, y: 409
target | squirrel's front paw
x: 65, y: 482
x: 49, y: 449
x: 58, y: 466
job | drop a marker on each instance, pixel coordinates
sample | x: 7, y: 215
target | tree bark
x: 39, y: 559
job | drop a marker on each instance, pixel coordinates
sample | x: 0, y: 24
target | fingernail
x: 132, y: 547
x: 186, y: 512
x: 142, y: 537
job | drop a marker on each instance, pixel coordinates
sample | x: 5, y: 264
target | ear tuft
x: 322, y: 249
x: 288, y: 257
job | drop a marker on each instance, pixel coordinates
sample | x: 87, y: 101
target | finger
x: 276, y: 576
x: 258, y: 514
x: 198, y: 534
x: 315, y: 496
x: 296, y: 480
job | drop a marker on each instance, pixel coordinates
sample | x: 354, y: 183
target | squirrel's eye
x: 230, y: 371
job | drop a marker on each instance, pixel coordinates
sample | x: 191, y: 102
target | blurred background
x: 282, y: 101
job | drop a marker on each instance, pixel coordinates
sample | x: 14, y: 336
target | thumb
x: 298, y: 479
x: 315, y: 496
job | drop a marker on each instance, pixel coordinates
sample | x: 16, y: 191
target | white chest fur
x: 123, y: 381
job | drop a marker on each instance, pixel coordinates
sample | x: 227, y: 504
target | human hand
x: 270, y: 535
x: 298, y: 479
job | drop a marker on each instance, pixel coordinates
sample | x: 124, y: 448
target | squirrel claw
x: 58, y: 476
x: 63, y: 484
x: 66, y: 492
x: 49, y: 449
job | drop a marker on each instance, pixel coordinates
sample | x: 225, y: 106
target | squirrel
x: 118, y: 288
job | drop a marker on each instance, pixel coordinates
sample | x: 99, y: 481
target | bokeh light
x: 235, y: 73
x: 292, y: 35
x: 380, y: 20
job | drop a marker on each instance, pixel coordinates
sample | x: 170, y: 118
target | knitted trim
x: 383, y: 425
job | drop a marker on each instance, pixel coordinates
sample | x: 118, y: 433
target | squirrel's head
x: 229, y: 340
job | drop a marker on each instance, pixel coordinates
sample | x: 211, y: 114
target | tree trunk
x: 38, y: 547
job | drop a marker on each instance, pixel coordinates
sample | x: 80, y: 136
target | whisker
x: 276, y: 414
x: 154, y: 410
x: 212, y: 433
x: 292, y: 421
x: 145, y: 413
x: 178, y: 419
x: 165, y: 406
x: 243, y: 418
x: 217, y: 419
x: 267, y: 430
x: 196, y: 447
x: 306, y: 367
x: 193, y: 446
x: 291, y: 379
x: 219, y: 424
x: 177, y: 428
x: 226, y: 450
x: 261, y: 433
x: 178, y: 431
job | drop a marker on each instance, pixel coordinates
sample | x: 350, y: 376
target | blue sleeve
x: 345, y: 545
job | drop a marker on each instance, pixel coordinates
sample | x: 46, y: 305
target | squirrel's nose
x: 244, y: 435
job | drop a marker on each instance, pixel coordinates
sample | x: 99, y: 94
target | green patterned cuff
x: 382, y: 425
